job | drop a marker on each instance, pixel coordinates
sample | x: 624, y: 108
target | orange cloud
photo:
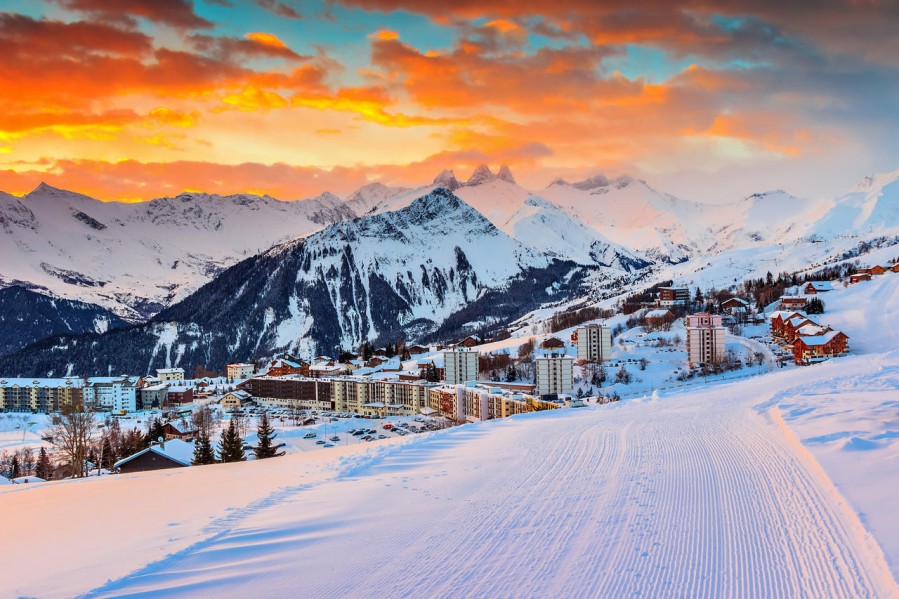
x: 266, y: 39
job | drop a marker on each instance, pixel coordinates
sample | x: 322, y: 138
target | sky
x: 135, y: 99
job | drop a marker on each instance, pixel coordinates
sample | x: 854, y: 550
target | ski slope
x: 693, y: 494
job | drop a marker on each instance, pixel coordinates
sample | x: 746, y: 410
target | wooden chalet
x: 552, y: 343
x: 659, y: 317
x: 815, y: 287
x: 779, y: 318
x: 284, y: 367
x: 471, y: 341
x: 171, y: 454
x: 872, y: 270
x: 792, y: 302
x: 817, y: 348
x: 178, y: 429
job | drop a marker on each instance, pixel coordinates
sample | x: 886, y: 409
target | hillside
x: 27, y: 317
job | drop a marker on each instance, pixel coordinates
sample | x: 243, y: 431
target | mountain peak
x: 505, y: 173
x: 594, y: 182
x: 482, y: 174
x: 447, y: 179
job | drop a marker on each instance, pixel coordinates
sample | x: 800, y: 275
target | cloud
x: 174, y: 13
x: 281, y: 9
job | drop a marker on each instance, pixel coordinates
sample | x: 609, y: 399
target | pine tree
x: 155, y: 430
x: 511, y: 375
x: 109, y: 457
x: 231, y: 445
x: 14, y: 467
x: 44, y: 470
x: 203, y: 453
x: 266, y: 447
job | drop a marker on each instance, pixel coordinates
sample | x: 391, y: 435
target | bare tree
x: 203, y: 420
x: 73, y: 432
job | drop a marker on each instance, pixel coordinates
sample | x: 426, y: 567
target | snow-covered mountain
x: 633, y: 214
x: 435, y: 263
x: 873, y: 206
x: 136, y: 259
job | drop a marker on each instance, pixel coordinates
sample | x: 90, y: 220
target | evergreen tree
x: 511, y: 375
x: 155, y: 430
x: 109, y: 457
x: 266, y: 447
x: 231, y: 445
x: 203, y: 453
x: 814, y: 306
x: 44, y: 470
x: 14, y: 467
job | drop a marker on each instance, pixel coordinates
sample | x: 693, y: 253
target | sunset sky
x: 135, y: 99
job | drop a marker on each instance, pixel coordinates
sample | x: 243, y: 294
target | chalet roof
x: 821, y: 285
x: 176, y: 450
x: 181, y: 426
x: 821, y: 339
x: 735, y: 299
x: 659, y: 313
x: 239, y: 394
x: 793, y: 298
x: 170, y: 370
x: 811, y: 329
x: 797, y: 319
x: 786, y: 314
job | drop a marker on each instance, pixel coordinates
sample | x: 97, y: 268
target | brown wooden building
x: 808, y: 350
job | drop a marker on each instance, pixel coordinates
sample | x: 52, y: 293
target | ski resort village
x: 411, y: 299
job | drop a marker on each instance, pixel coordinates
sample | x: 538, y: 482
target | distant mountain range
x: 240, y: 277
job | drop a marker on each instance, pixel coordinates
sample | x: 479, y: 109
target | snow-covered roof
x: 821, y: 285
x: 159, y: 387
x: 169, y: 370
x: 658, y: 313
x: 820, y: 339
x: 28, y: 479
x: 176, y: 450
x: 181, y: 426
x: 239, y: 394
x: 72, y: 381
x: 427, y: 411
x: 811, y: 329
x: 785, y: 314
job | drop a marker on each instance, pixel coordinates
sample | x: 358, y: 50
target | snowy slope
x: 871, y: 207
x: 547, y: 228
x: 632, y: 214
x: 697, y: 494
x: 137, y: 258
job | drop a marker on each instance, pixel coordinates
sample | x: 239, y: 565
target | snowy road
x: 695, y: 495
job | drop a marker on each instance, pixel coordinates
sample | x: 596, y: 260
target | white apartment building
x: 594, y: 342
x: 117, y: 394
x: 170, y: 374
x: 555, y: 375
x: 461, y: 365
x: 241, y: 371
x: 705, y: 339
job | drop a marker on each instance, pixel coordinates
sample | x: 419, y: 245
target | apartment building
x: 117, y: 394
x: 240, y: 371
x: 594, y: 342
x: 555, y: 375
x: 39, y: 394
x: 170, y: 374
x: 705, y: 339
x: 460, y: 365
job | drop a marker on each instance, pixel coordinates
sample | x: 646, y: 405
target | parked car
x: 309, y: 436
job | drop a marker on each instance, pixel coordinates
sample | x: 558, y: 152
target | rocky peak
x: 482, y: 174
x: 505, y: 174
x: 447, y: 179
